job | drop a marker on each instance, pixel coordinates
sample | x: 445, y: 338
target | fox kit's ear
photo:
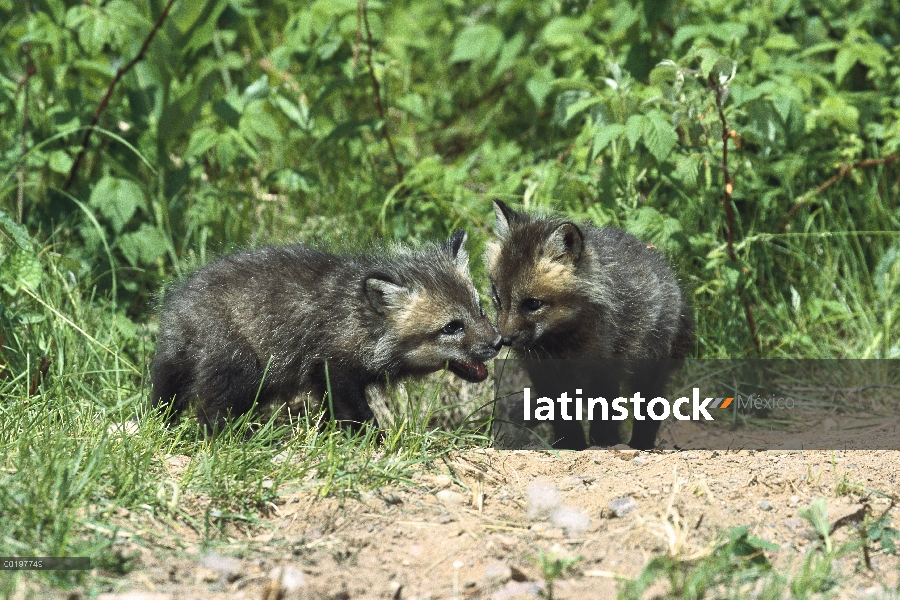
x: 383, y: 294
x: 505, y: 216
x: 565, y: 243
x: 457, y: 246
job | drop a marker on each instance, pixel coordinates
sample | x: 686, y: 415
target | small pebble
x: 450, y: 497
x: 622, y: 506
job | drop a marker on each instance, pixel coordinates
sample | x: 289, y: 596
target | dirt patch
x: 476, y: 526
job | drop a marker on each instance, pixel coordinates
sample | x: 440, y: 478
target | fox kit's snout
x: 276, y: 323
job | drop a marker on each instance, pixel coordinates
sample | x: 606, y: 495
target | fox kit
x: 268, y: 324
x: 569, y: 292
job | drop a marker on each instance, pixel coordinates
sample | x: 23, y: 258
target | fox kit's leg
x: 650, y: 378
x: 568, y: 435
x: 550, y: 379
x: 348, y: 396
x: 605, y: 383
x: 351, y: 406
x: 171, y: 381
x: 228, y: 382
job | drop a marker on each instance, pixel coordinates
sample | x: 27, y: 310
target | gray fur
x: 620, y: 301
x: 284, y: 312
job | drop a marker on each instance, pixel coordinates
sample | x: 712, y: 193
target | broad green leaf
x: 625, y: 15
x: 785, y: 105
x: 539, y: 86
x: 414, y: 104
x: 651, y: 226
x: 257, y: 120
x: 15, y: 231
x: 688, y: 170
x: 227, y: 112
x: 92, y: 24
x: 834, y: 110
x: 709, y: 58
x: 256, y: 90
x: 843, y: 62
x: 659, y: 136
x: 634, y: 129
x: 747, y: 548
x: 741, y: 94
x: 19, y: 267
x: 685, y: 33
x: 193, y: 23
x: 580, y: 105
x: 335, y: 8
x: 227, y: 150
x: 117, y: 200
x: 723, y: 32
x: 201, y: 140
x: 665, y: 73
x: 479, y: 44
x: 511, y: 50
x: 142, y: 247
x: 298, y: 113
x: 781, y: 41
x: 872, y: 55
x: 60, y: 161
x: 184, y: 15
x: 605, y: 135
x: 98, y: 25
x: 761, y: 544
x: 564, y: 32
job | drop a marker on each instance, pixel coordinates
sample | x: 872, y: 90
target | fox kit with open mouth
x: 266, y: 325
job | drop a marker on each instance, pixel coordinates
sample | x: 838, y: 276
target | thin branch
x: 359, y: 8
x: 120, y: 73
x: 727, y: 134
x: 843, y: 171
x: 376, y: 89
x: 24, y: 85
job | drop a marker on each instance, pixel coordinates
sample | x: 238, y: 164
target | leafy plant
x: 735, y: 561
x: 553, y: 566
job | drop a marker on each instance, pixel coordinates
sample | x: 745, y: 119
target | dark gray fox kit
x: 569, y: 292
x: 262, y: 325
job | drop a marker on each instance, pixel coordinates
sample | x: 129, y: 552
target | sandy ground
x: 474, y: 527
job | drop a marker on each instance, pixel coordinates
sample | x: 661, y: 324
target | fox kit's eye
x: 452, y: 327
x: 532, y: 304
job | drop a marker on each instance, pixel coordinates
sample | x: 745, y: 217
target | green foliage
x: 553, y: 566
x: 241, y: 125
x: 883, y: 532
x: 817, y: 515
x: 736, y: 562
x: 19, y: 262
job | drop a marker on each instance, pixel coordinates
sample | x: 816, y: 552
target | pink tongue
x: 477, y: 369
